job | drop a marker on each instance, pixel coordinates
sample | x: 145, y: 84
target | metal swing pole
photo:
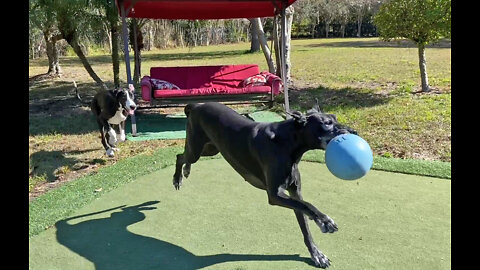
x: 127, y: 61
x: 283, y: 57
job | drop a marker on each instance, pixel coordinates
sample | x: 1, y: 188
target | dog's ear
x: 299, y: 118
x: 131, y: 88
x: 119, y: 93
x: 333, y: 116
x: 316, y: 106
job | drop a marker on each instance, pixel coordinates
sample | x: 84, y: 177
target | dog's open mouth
x: 127, y: 111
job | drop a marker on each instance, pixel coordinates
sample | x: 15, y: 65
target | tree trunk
x: 359, y: 25
x: 78, y: 51
x: 137, y: 70
x: 423, y: 67
x: 289, y: 16
x: 150, y: 37
x: 115, y: 55
x: 255, y: 42
x: 327, y: 28
x: 54, y: 68
x: 277, y: 41
x: 276, y: 45
x: 257, y: 25
x: 107, y: 30
x: 136, y: 41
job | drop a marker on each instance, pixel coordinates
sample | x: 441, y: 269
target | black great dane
x: 265, y: 154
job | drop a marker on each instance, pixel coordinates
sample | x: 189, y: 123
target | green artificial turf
x: 218, y: 221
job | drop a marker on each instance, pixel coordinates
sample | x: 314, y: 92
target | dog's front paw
x: 177, y: 182
x: 110, y: 152
x: 326, y: 224
x: 318, y: 258
x: 122, y: 137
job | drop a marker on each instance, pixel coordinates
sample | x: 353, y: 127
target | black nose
x: 133, y: 107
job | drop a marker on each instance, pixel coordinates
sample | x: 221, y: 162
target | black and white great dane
x: 111, y: 108
x: 265, y: 154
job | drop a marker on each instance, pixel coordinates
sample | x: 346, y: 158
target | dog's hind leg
x: 106, y: 143
x: 105, y: 139
x: 177, y: 176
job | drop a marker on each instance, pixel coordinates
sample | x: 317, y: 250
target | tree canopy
x: 422, y: 21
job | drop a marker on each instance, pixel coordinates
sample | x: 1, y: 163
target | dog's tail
x: 77, y: 94
x: 189, y: 108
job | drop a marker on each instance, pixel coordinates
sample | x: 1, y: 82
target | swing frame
x: 217, y: 9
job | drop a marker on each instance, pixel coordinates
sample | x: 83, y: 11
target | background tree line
x: 86, y: 24
x: 313, y: 19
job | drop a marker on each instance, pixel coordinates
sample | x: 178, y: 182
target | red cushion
x: 210, y: 91
x: 225, y: 76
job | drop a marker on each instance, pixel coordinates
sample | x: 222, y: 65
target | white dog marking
x: 122, y: 135
x: 113, y: 137
x: 130, y: 102
x: 118, y: 117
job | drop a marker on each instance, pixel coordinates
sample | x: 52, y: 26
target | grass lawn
x: 370, y: 85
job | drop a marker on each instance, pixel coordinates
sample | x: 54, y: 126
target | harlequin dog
x: 111, y: 109
x: 266, y: 155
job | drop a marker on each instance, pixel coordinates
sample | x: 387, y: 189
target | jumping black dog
x: 111, y: 109
x: 265, y: 154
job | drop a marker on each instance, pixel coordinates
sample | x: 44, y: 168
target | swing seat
x: 222, y: 83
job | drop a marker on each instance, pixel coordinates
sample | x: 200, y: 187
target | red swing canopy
x: 202, y: 9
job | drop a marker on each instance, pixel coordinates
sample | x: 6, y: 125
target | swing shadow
x: 108, y: 244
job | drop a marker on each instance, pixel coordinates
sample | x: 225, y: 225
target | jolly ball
x: 348, y: 157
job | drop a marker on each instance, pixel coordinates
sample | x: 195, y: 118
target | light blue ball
x: 348, y: 157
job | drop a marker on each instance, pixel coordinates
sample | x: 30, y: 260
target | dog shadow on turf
x: 108, y: 244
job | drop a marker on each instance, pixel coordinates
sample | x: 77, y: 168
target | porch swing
x: 229, y: 84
